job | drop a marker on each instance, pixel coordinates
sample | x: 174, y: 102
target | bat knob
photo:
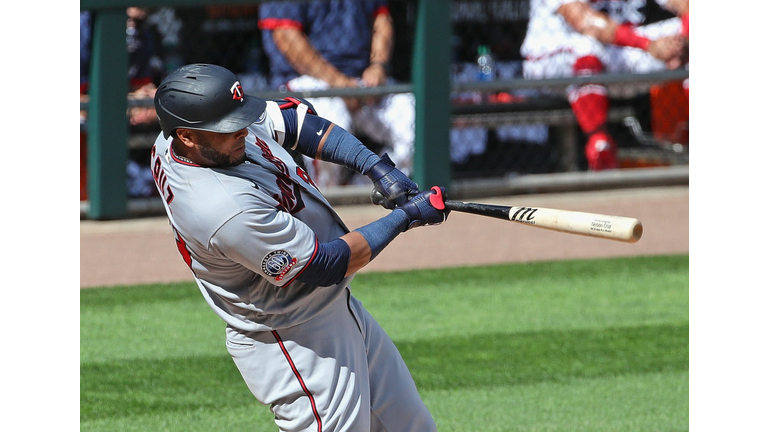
x: 376, y: 197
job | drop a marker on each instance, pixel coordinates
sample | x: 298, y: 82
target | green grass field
x: 598, y: 345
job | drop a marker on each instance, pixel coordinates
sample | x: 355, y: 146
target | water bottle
x: 486, y: 67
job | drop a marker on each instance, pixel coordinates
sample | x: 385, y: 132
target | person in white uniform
x: 273, y: 259
x: 585, y: 37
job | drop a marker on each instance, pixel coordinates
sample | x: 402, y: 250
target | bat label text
x: 601, y: 225
x: 524, y: 215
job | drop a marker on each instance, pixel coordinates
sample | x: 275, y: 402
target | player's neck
x: 181, y: 152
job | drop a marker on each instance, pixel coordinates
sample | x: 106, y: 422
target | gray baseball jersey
x: 312, y: 354
x: 248, y: 229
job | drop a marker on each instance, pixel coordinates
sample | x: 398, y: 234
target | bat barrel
x: 619, y: 228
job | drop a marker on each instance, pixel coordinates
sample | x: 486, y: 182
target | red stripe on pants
x: 301, y: 380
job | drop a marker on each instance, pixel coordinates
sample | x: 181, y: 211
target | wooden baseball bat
x: 619, y: 228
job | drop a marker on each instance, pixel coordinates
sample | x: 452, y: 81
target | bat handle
x: 377, y: 198
x: 501, y: 212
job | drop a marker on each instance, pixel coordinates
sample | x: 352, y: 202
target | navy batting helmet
x: 205, y: 97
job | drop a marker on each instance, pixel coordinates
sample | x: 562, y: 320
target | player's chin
x: 235, y: 160
x: 239, y: 156
x: 231, y: 160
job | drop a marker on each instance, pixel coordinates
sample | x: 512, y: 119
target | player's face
x: 222, y: 149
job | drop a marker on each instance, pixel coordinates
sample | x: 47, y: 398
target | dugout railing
x: 108, y: 136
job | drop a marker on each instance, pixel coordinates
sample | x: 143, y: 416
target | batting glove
x: 391, y: 183
x: 426, y: 208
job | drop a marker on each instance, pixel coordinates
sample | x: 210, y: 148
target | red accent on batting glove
x: 684, y: 19
x: 601, y: 152
x: 626, y: 36
x: 437, y: 200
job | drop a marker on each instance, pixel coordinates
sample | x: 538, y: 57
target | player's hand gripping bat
x: 619, y: 228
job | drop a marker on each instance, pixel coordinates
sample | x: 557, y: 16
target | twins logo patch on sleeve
x: 277, y: 264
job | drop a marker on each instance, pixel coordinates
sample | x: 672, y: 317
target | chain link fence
x: 508, y: 117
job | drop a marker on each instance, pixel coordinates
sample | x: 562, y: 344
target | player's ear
x: 186, y: 136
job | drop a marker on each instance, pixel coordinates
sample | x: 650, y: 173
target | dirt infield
x: 143, y: 251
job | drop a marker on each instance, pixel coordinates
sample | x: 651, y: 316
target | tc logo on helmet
x: 237, y: 91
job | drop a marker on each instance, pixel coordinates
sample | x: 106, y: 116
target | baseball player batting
x: 274, y: 260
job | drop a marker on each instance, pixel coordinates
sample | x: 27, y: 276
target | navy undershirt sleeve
x: 331, y: 260
x: 290, y: 118
x: 329, y: 265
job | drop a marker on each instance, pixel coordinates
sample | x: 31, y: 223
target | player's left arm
x: 318, y: 138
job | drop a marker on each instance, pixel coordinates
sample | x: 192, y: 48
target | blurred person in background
x: 145, y: 71
x: 318, y: 45
x: 145, y: 66
x: 578, y: 37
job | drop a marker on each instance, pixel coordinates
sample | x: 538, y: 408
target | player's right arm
x: 281, y: 248
x: 365, y: 243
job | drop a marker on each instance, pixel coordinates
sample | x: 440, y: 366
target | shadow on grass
x: 554, y: 356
